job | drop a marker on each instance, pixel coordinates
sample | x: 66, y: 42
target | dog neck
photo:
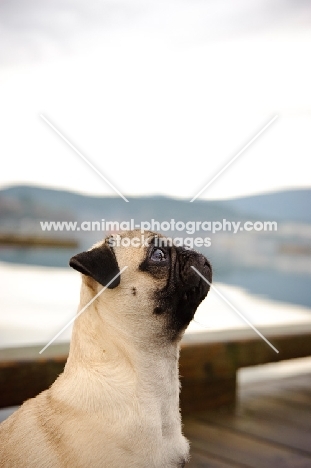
x: 109, y: 366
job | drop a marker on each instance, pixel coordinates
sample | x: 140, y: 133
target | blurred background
x: 158, y: 96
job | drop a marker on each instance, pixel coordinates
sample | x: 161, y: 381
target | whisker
x: 201, y: 324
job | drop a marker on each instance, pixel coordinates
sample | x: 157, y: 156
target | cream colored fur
x: 117, y: 402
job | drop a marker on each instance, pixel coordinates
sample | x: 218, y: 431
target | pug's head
x: 158, y: 292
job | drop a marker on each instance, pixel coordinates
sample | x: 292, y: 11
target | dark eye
x: 157, y: 255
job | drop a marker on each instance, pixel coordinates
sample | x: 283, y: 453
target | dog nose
x: 189, y: 275
x: 203, y: 266
x: 207, y: 269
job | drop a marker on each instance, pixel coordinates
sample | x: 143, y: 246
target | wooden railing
x: 209, y: 363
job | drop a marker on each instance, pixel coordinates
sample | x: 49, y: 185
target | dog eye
x: 157, y: 255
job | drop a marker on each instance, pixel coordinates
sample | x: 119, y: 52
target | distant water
x: 291, y: 285
x: 284, y: 285
x: 37, y: 301
x: 37, y: 256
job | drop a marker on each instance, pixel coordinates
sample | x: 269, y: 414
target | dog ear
x: 100, y: 263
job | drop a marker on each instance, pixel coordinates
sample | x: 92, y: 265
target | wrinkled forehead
x: 132, y: 246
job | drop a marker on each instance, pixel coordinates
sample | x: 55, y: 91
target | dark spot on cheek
x: 158, y: 310
x: 134, y: 291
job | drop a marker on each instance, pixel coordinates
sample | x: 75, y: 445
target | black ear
x: 100, y: 263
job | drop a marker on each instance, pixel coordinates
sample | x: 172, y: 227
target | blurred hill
x: 287, y: 205
x: 275, y: 264
x: 22, y: 208
x: 47, y: 204
x: 20, y: 202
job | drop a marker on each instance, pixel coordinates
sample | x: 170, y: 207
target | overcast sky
x: 158, y: 95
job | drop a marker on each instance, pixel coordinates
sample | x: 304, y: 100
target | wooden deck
x: 263, y: 423
x: 270, y: 427
x: 209, y: 364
